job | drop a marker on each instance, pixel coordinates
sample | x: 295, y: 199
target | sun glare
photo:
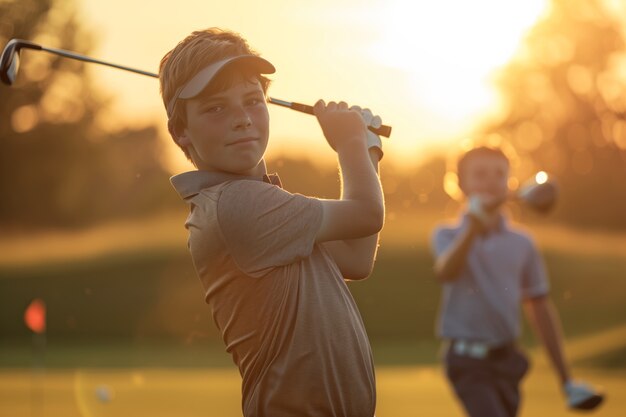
x: 450, y: 48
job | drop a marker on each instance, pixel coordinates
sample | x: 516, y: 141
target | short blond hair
x: 198, y: 50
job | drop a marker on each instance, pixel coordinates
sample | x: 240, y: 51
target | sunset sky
x: 425, y: 66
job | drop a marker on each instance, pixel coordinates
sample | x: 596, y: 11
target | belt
x: 479, y: 350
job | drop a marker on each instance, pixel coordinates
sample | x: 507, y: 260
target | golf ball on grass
x: 104, y: 393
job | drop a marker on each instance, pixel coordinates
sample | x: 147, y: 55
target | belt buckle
x: 476, y: 350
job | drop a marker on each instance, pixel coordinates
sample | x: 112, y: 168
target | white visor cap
x: 203, y: 78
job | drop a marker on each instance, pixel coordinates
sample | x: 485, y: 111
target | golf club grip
x: 383, y: 130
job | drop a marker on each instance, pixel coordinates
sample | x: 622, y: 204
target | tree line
x: 565, y: 113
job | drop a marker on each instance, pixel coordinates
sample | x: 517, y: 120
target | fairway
x: 402, y: 391
x: 155, y: 354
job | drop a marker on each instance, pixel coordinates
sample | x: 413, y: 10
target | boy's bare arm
x: 359, y: 213
x: 449, y: 264
x: 545, y: 322
x: 355, y: 257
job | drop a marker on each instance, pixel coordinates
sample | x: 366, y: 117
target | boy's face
x: 228, y: 130
x: 486, y: 176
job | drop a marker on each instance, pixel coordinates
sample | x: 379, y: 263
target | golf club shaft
x: 303, y: 108
x: 73, y: 55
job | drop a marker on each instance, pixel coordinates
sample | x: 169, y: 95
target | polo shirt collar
x: 191, y: 183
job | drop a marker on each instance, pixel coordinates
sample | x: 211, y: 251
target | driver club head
x: 10, y: 59
x: 539, y: 195
x: 9, y: 63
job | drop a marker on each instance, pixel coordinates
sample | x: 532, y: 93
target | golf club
x: 539, y: 193
x: 10, y: 61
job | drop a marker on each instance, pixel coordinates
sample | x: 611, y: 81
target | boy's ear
x: 178, y: 133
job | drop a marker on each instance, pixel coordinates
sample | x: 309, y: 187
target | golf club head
x: 539, y: 196
x: 10, y: 59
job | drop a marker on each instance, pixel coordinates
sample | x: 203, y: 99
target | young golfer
x: 488, y: 269
x: 274, y: 264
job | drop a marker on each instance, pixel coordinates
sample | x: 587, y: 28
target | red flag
x: 35, y: 316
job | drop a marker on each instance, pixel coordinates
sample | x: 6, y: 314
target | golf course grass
x: 402, y: 391
x: 129, y: 334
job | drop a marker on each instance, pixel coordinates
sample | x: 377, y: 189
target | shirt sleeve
x: 534, y: 279
x: 441, y: 238
x: 265, y: 226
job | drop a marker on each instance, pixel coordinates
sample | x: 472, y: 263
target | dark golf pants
x: 488, y: 387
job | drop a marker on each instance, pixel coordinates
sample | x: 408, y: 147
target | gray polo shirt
x: 483, y: 304
x: 278, y: 299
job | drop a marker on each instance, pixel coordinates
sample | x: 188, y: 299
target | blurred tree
x: 420, y: 187
x: 300, y: 175
x: 566, y: 94
x: 57, y: 169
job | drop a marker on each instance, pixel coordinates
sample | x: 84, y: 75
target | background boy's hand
x: 373, y: 140
x: 481, y: 208
x: 342, y: 127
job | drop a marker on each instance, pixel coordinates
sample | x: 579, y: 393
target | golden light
x: 541, y: 177
x: 450, y: 48
x: 426, y: 67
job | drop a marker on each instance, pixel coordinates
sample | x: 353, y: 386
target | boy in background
x: 487, y: 270
x: 273, y: 264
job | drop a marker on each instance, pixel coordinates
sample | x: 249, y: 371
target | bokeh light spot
x: 579, y: 79
x: 513, y: 183
x: 528, y: 136
x: 451, y: 186
x: 24, y: 119
x: 619, y: 133
x: 541, y: 177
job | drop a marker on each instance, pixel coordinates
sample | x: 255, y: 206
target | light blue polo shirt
x: 503, y: 268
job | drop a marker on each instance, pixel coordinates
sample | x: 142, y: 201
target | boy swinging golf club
x: 273, y: 264
x: 487, y: 268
